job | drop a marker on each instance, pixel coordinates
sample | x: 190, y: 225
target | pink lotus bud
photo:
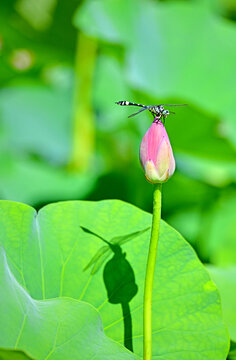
x: 156, y: 154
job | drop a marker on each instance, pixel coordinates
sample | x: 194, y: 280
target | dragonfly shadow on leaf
x: 105, y: 251
x: 118, y: 276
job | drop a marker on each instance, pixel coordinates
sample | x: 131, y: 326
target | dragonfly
x: 158, y: 111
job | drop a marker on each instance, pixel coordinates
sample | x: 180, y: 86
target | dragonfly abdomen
x: 125, y: 103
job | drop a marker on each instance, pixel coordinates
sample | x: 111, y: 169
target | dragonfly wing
x: 145, y: 108
x: 174, y: 105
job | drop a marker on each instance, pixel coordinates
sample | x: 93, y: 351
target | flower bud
x: 156, y: 154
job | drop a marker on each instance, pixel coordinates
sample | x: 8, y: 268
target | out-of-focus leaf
x: 225, y: 280
x: 232, y: 352
x: 108, y: 19
x: 182, y: 193
x: 37, y: 13
x: 35, y: 182
x: 198, y: 139
x: 56, y: 329
x: 49, y: 47
x: 224, y: 8
x: 220, y: 234
x: 181, y: 60
x: 201, y: 150
x: 187, y: 222
x: 48, y: 252
x: 110, y: 86
x: 37, y: 119
x: 213, y: 172
x: 187, y: 62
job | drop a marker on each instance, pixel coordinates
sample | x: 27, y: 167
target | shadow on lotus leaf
x: 118, y: 276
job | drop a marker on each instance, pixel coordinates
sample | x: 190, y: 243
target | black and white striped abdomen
x: 126, y: 103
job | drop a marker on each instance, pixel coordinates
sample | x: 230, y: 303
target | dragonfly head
x: 165, y: 113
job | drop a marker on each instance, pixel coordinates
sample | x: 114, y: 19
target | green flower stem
x: 83, y: 117
x: 147, y: 306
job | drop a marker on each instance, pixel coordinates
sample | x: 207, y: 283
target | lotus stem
x: 150, y: 270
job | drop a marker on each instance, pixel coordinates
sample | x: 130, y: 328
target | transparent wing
x: 137, y: 112
x: 173, y: 104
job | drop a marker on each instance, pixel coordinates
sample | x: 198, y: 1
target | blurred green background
x: 64, y: 63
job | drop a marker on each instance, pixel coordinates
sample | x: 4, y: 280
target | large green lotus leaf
x: 96, y: 252
x: 58, y: 329
x: 225, y: 279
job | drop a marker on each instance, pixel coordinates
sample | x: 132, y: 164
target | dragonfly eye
x: 166, y: 112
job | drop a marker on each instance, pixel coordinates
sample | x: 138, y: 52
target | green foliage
x: 152, y: 53
x: 35, y: 182
x: 225, y: 280
x: 232, y: 353
x: 221, y: 237
x: 56, y: 329
x: 50, y: 256
x: 162, y: 60
x: 147, y: 52
x: 41, y: 110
